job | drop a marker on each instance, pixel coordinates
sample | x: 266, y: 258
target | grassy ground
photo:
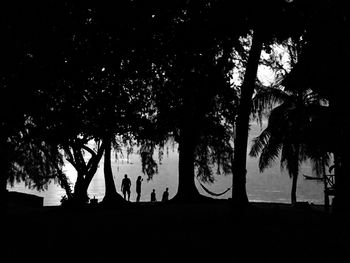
x: 204, y: 232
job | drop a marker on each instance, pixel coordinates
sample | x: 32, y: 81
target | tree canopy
x: 76, y: 72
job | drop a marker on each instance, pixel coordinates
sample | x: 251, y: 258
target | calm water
x: 270, y: 186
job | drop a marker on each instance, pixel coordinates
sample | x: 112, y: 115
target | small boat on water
x: 308, y: 177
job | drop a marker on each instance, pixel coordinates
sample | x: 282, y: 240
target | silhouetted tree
x: 145, y: 71
x: 328, y: 29
x: 94, y: 91
x: 262, y: 21
x: 287, y: 133
x: 294, y: 119
x: 193, y: 97
x: 32, y: 160
x: 24, y: 152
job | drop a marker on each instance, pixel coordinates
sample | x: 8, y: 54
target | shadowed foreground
x: 158, y: 232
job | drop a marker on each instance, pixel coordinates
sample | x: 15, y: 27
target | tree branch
x: 69, y: 157
x: 92, y: 152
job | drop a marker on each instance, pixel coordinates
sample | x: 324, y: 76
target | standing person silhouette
x: 153, y: 196
x: 125, y: 188
x: 138, y: 188
x: 165, y: 196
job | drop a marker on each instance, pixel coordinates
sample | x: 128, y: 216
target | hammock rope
x: 212, y: 193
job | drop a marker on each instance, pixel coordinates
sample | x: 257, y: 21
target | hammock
x: 212, y: 193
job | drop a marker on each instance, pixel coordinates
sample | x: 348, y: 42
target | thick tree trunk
x: 239, y: 193
x: 187, y: 190
x: 85, y: 174
x: 111, y: 194
x: 80, y: 195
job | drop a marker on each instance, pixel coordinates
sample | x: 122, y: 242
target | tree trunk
x: 111, y: 194
x: 3, y: 183
x: 80, y: 195
x: 64, y: 183
x: 85, y: 174
x: 94, y: 165
x: 342, y: 179
x: 187, y: 190
x: 189, y: 125
x: 293, y: 192
x: 239, y: 193
x: 326, y: 196
x: 5, y: 165
x: 340, y: 112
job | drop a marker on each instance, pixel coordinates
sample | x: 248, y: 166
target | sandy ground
x: 200, y: 232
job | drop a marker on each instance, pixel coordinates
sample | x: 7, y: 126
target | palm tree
x: 288, y: 134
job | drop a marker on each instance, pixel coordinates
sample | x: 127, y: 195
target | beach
x: 162, y: 232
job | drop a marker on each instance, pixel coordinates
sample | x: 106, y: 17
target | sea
x: 273, y: 185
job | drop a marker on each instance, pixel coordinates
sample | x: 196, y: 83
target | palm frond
x: 259, y: 142
x: 270, y: 153
x: 265, y: 99
x: 319, y: 160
